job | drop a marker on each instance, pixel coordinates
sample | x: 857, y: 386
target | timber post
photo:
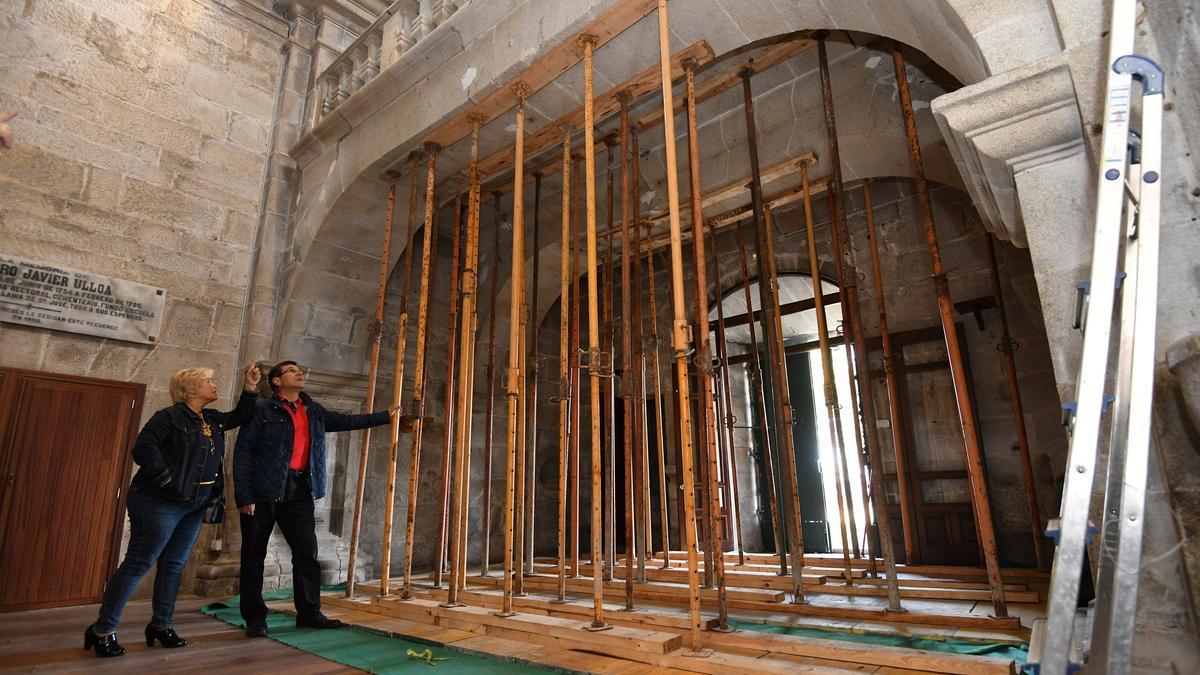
x: 680, y: 340
x: 776, y: 357
x: 397, y: 393
x: 372, y: 375
x: 588, y: 43
x: 514, y: 383
x: 962, y: 391
x: 1008, y: 347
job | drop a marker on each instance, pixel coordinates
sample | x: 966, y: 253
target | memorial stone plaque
x: 48, y: 296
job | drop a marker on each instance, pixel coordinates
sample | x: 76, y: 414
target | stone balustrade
x: 400, y: 27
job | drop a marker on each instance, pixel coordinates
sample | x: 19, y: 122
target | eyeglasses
x: 291, y: 369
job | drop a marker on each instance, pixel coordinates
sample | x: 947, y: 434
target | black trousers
x: 294, y: 515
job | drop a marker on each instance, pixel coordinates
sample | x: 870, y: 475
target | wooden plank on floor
x: 658, y: 590
x: 855, y: 652
x: 659, y: 617
x: 907, y: 617
x: 569, y: 631
x: 819, y: 584
x: 828, y: 561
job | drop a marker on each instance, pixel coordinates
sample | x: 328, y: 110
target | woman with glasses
x: 178, y: 485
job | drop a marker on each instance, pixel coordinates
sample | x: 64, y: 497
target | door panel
x: 932, y: 435
x: 66, y: 465
x: 808, y: 459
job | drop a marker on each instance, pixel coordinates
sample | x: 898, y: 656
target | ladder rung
x: 1054, y: 530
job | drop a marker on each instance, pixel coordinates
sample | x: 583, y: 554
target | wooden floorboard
x: 52, y: 640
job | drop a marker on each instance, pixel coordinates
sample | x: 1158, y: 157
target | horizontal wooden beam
x: 784, y: 310
x: 604, y: 106
x: 731, y: 75
x: 542, y: 72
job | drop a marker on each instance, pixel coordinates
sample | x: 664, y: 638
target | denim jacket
x: 171, y: 449
x: 264, y: 448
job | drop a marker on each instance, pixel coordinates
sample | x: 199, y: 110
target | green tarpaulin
x: 1000, y: 651
x: 365, y: 650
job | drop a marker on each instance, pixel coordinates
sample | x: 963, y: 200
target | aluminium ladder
x: 1126, y: 219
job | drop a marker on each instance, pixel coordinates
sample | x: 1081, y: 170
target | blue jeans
x: 160, y: 532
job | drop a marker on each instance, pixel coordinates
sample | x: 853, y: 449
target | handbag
x: 215, y: 513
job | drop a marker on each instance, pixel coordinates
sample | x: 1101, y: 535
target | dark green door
x: 808, y: 465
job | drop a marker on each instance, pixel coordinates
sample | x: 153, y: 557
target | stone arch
x: 341, y: 203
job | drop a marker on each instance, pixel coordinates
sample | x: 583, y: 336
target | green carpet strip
x: 366, y: 650
x: 1001, y: 651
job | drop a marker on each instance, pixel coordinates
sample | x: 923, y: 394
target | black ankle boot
x: 105, y: 646
x: 167, y: 637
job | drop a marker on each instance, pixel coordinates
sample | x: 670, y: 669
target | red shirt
x: 299, y: 436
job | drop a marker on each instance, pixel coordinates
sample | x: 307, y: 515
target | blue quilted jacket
x: 264, y: 448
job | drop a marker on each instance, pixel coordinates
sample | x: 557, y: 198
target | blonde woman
x: 179, y: 455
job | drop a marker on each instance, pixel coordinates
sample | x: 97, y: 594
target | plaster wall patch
x: 468, y: 77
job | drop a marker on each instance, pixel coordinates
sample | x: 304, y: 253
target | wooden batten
x: 545, y: 70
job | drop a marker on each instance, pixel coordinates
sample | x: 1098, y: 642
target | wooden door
x: 66, y: 463
x: 932, y: 435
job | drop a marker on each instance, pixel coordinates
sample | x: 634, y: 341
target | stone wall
x: 141, y: 144
x: 141, y: 148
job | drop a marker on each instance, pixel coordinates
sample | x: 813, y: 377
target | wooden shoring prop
x: 565, y: 399
x: 832, y: 407
x: 608, y: 344
x: 853, y: 373
x: 628, y: 392
x: 645, y: 542
x: 855, y: 341
x: 514, y: 385
x: 1008, y: 347
x: 962, y: 388
x: 534, y: 324
x: 414, y: 467
x: 860, y: 459
x: 759, y: 395
x: 709, y: 419
x: 661, y: 437
x: 465, y: 392
x: 448, y: 447
x: 727, y: 418
x: 680, y: 341
x: 490, y: 405
x: 595, y: 358
x: 576, y: 374
x: 841, y: 469
x: 768, y: 293
x: 372, y: 375
x: 529, y: 473
x: 397, y: 395
x: 895, y: 415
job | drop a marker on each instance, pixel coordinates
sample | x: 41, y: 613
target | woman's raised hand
x: 252, y: 376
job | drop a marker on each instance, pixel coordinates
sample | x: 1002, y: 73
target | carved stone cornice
x: 1007, y: 124
x: 334, y: 384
